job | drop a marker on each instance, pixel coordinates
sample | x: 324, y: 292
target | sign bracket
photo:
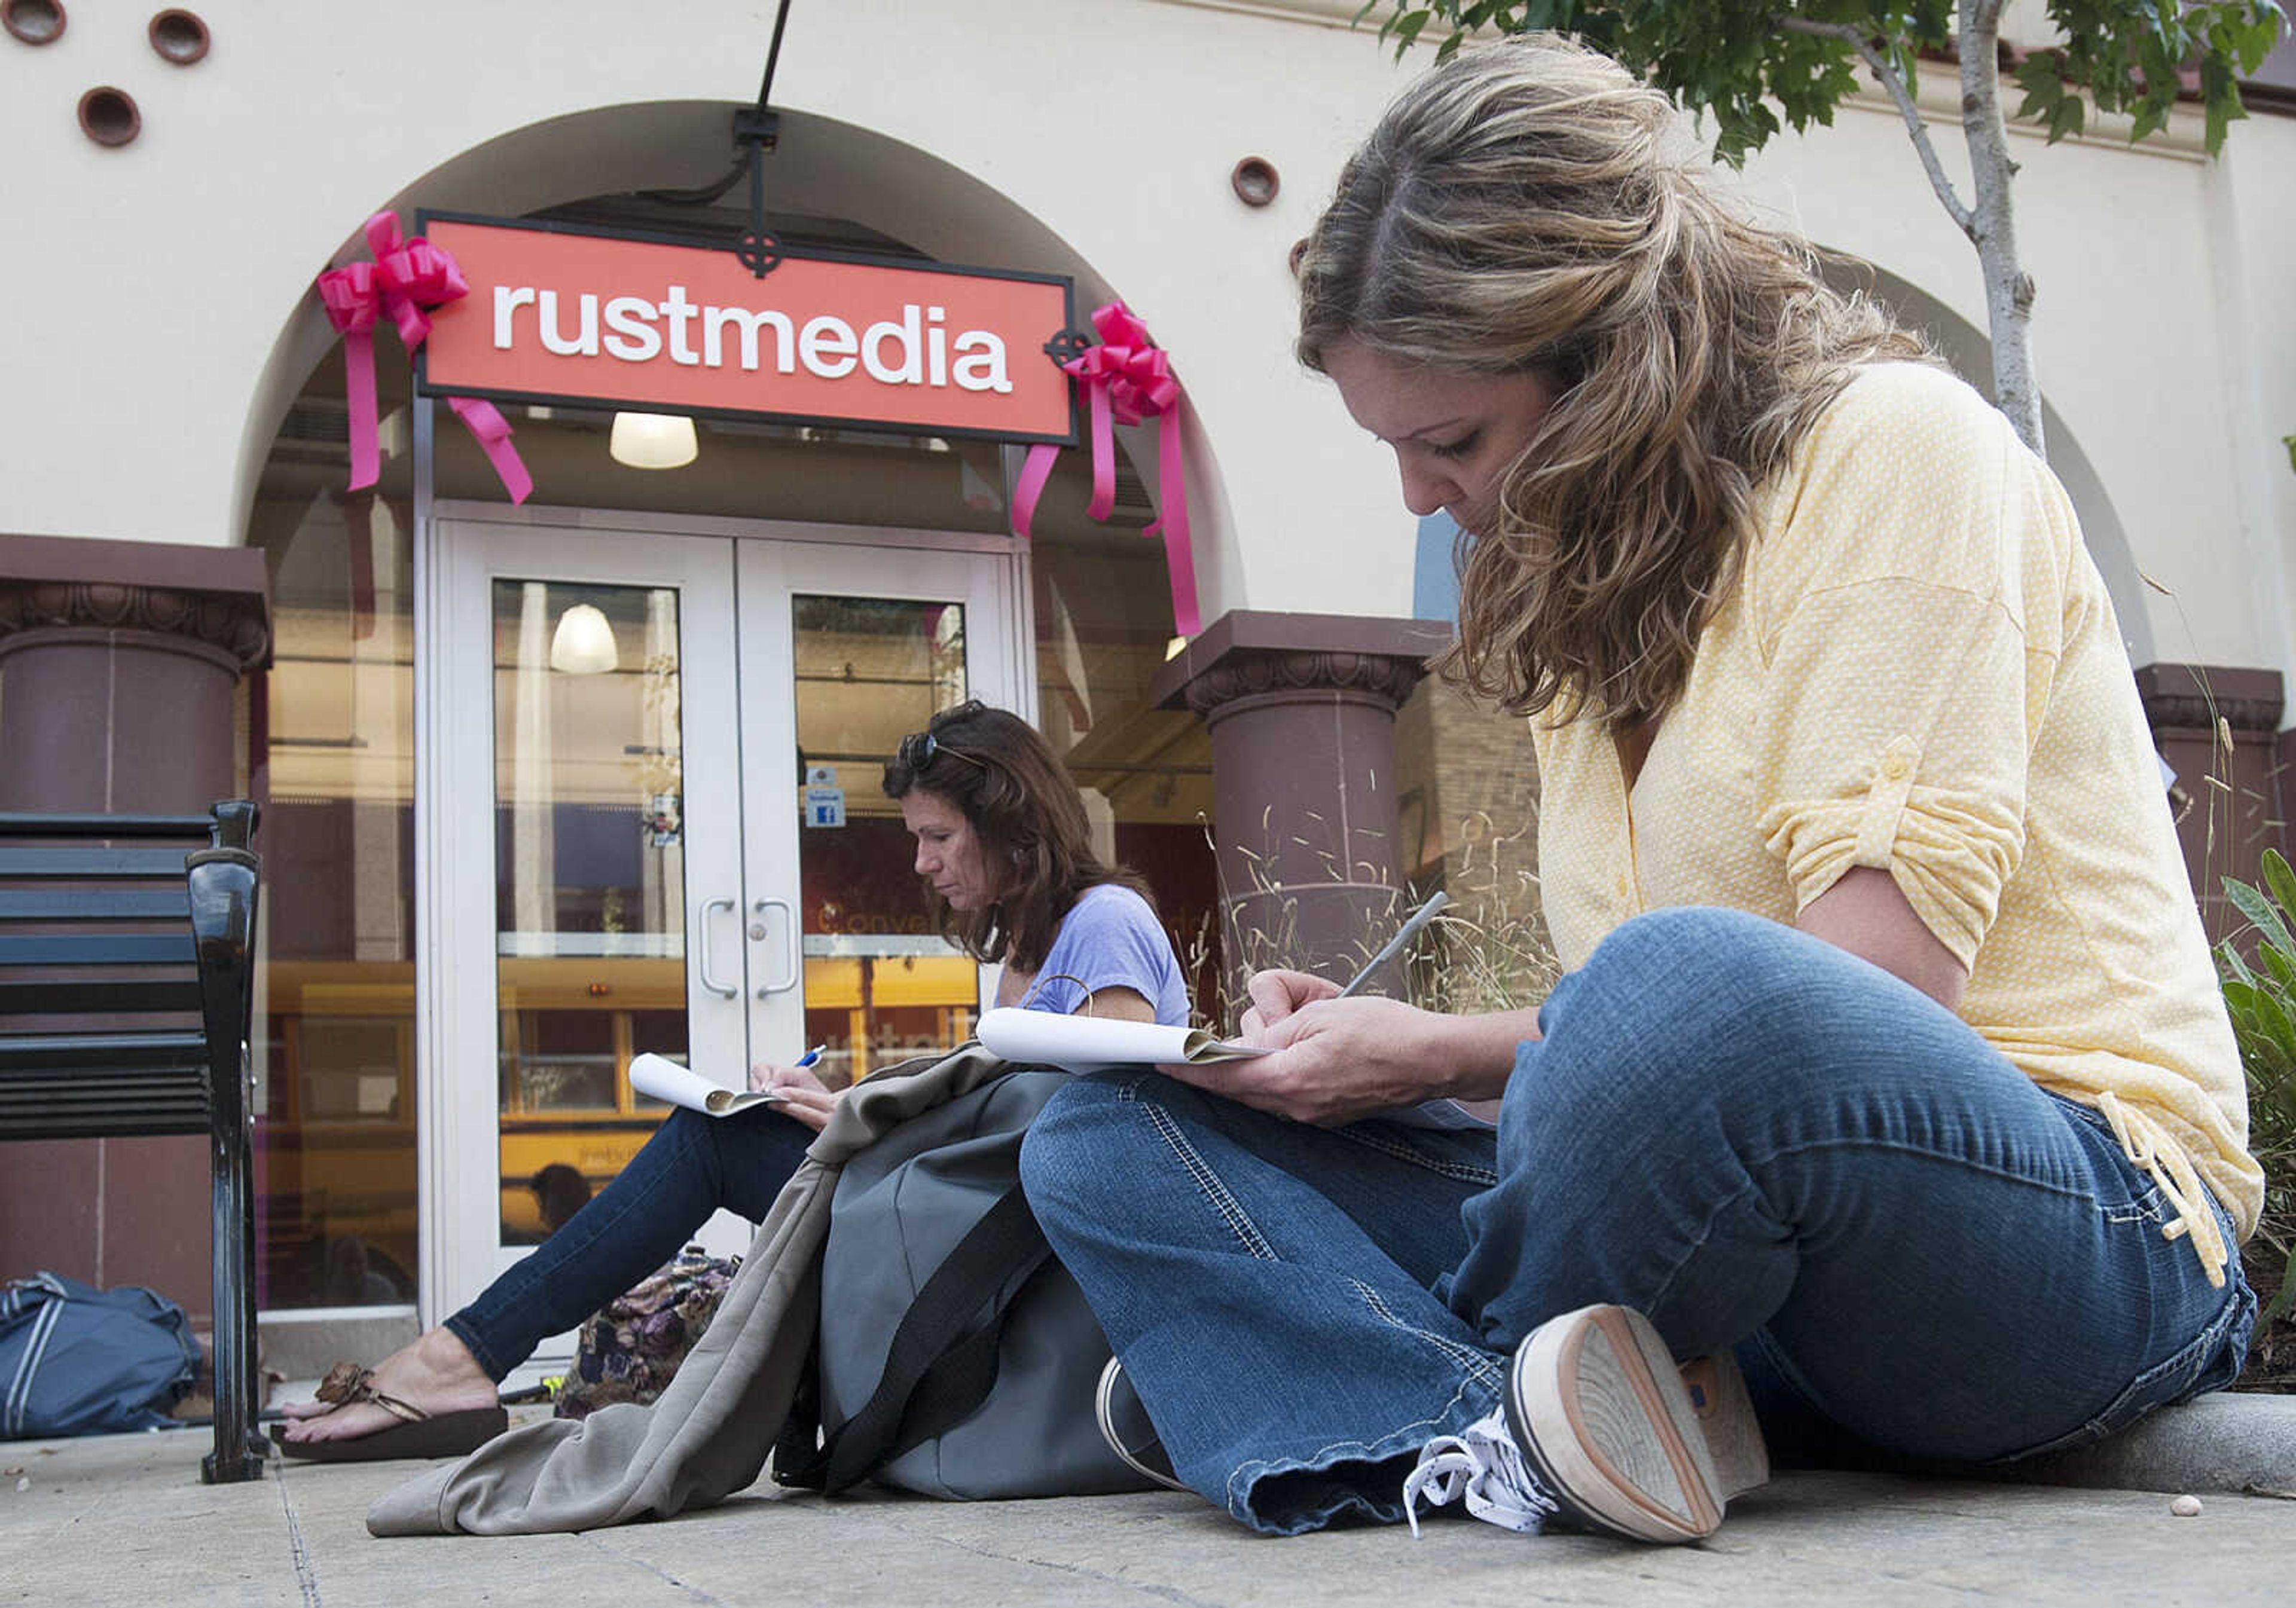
x: 757, y: 130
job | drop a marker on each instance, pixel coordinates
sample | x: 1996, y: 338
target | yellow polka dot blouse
x: 1919, y: 671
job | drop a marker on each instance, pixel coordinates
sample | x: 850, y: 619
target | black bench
x: 126, y: 979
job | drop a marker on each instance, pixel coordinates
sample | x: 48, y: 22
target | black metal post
x: 223, y: 888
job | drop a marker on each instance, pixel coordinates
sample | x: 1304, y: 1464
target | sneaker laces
x: 1481, y: 1463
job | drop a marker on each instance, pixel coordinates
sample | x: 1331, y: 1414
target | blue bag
x: 77, y: 1360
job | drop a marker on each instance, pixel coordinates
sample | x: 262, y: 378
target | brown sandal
x: 417, y: 1434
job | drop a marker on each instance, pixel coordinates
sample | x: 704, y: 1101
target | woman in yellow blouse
x: 1890, y: 1068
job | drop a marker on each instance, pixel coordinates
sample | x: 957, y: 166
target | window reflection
x: 331, y: 744
x: 881, y: 985
x: 589, y: 885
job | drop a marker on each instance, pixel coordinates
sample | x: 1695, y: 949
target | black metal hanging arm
x: 757, y: 130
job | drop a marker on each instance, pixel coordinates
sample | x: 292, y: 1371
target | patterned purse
x: 630, y: 1348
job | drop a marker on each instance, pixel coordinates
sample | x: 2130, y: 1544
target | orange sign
x: 558, y: 315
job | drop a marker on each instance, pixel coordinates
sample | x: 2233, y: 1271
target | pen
x: 811, y: 1056
x: 1420, y: 918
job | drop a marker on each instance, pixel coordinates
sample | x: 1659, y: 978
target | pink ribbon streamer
x: 1128, y: 378
x: 406, y: 278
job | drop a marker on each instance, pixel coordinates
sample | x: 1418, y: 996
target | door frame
x: 448, y: 862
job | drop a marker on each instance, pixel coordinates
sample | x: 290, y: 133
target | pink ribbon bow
x: 1128, y: 379
x: 406, y: 278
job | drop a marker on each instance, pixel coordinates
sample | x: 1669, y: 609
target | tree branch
x: 1879, y: 64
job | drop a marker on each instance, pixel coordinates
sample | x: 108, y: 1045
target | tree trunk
x: 1993, y: 221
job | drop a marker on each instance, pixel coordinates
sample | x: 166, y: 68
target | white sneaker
x: 1599, y: 1431
x: 1481, y: 1463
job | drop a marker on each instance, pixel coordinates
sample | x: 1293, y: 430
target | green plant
x: 2261, y: 997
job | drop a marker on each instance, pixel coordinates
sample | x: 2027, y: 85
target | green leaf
x: 2234, y: 968
x: 2038, y: 71
x: 2272, y: 1021
x: 2259, y: 912
x: 2219, y: 98
x: 2240, y: 1000
x: 2281, y: 970
x: 2279, y: 881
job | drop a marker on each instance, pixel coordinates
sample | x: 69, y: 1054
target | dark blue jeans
x: 693, y: 1165
x: 1749, y: 1135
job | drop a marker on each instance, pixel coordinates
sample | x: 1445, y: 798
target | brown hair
x: 1007, y: 782
x: 1520, y: 208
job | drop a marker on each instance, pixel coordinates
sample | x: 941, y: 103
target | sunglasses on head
x: 918, y: 747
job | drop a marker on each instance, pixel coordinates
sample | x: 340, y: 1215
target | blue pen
x: 811, y: 1056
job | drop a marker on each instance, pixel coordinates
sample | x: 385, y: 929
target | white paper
x: 666, y: 1080
x: 1081, y: 1042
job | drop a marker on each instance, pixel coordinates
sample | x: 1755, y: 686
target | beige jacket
x: 709, y: 1435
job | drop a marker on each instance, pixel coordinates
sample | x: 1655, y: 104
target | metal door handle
x: 725, y: 989
x: 789, y: 917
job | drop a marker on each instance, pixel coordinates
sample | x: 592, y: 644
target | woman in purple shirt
x: 1003, y: 846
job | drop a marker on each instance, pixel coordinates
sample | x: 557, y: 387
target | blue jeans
x: 693, y: 1165
x: 1754, y: 1138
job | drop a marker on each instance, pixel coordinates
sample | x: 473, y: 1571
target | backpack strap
x: 797, y: 1455
x: 935, y: 1373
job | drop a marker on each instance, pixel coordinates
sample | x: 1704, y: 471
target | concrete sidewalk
x: 124, y: 1519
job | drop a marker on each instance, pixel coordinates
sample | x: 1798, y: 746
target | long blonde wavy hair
x: 1531, y: 206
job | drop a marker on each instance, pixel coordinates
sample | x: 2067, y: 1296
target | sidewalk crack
x: 307, y: 1579
x: 693, y: 1592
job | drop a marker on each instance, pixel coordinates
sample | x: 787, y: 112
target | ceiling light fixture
x: 584, y: 642
x: 652, y: 440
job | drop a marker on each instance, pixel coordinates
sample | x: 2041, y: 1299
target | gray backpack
x: 957, y: 1358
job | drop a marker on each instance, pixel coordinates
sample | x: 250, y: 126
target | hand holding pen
x: 796, y: 1091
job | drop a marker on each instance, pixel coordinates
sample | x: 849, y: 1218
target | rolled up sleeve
x: 1950, y: 850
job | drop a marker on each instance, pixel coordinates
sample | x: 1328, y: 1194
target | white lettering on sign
x: 507, y: 301
x: 981, y: 368
x: 634, y: 339
x: 679, y: 311
x: 583, y: 344
x: 827, y: 346
x: 715, y: 321
x: 917, y: 350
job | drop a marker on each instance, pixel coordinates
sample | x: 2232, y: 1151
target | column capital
x: 1248, y: 653
x: 1301, y: 711
x: 216, y: 598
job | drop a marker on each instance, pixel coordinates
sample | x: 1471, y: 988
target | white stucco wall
x: 158, y: 295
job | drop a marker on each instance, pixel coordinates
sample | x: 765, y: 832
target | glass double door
x: 659, y: 828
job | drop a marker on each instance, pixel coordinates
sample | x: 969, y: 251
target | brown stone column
x: 117, y: 662
x: 1301, y: 711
